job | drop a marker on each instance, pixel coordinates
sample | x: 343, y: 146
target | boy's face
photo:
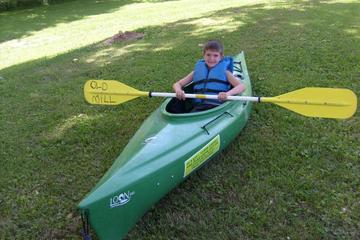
x: 212, y: 57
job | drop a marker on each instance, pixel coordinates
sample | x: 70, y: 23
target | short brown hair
x: 214, y: 45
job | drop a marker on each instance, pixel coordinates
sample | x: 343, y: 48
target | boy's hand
x: 177, y: 87
x: 222, y: 96
x: 180, y: 94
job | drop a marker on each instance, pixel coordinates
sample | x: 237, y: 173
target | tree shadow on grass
x: 21, y: 23
x: 64, y: 145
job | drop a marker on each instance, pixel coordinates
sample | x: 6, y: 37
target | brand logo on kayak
x: 121, y: 199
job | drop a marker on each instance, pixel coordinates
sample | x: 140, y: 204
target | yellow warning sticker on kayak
x: 202, y: 155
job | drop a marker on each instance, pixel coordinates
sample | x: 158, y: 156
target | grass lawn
x: 284, y: 177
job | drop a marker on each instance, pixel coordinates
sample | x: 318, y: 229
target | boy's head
x: 213, y: 52
x: 214, y: 45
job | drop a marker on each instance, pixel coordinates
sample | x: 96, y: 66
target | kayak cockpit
x: 167, y: 109
x: 174, y: 107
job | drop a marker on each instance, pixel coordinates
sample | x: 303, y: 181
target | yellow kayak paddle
x: 311, y: 102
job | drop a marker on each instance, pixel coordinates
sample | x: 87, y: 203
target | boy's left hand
x: 222, y: 96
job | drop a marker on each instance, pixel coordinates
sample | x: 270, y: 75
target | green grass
x: 284, y: 177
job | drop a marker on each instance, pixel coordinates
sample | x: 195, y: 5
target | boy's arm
x: 177, y: 87
x: 238, y: 87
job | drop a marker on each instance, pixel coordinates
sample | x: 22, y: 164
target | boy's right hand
x: 180, y: 94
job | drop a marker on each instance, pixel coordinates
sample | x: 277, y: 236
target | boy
x: 211, y: 76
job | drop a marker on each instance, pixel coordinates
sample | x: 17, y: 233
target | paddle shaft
x: 203, y: 96
x: 247, y: 98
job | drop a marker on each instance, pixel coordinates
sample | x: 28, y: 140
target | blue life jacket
x: 211, y: 80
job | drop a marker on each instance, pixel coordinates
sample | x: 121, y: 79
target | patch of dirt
x: 124, y: 36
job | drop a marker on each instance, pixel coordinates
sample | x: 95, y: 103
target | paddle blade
x: 318, y: 102
x: 109, y: 92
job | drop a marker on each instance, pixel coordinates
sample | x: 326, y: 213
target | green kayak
x: 166, y: 150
